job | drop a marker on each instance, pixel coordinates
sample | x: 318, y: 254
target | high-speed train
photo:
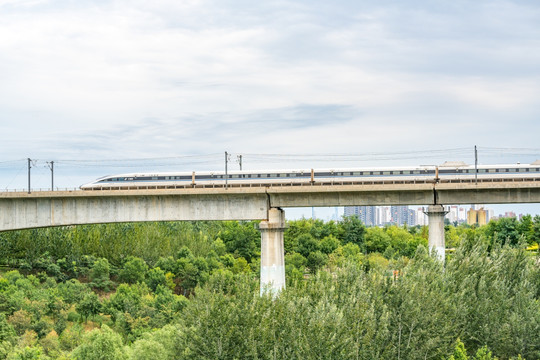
x: 447, y: 172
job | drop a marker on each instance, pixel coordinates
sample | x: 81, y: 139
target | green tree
x: 297, y: 260
x: 193, y: 271
x: 156, y: 277
x: 306, y: 244
x: 526, y: 228
x: 7, y: 333
x: 353, y: 230
x: 89, y: 306
x: 240, y: 266
x: 459, y: 352
x: 241, y: 239
x: 294, y: 230
x: 483, y: 354
x: 134, y: 270
x: 377, y: 240
x: 503, y: 231
x: 328, y: 244
x: 28, y: 353
x: 144, y: 349
x: 536, y: 229
x: 316, y: 260
x: 100, y: 274
x: 127, y: 299
x: 21, y: 321
x: 101, y: 344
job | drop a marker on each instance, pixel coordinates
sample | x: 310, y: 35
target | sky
x: 172, y: 85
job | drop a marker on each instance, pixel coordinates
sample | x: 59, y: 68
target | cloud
x: 200, y: 133
x: 142, y: 78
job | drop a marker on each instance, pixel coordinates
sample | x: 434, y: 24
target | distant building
x: 421, y: 217
x: 400, y: 214
x: 350, y: 211
x: 477, y: 217
x: 367, y: 214
x: 462, y: 215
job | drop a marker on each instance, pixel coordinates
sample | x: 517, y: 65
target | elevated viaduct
x: 21, y: 210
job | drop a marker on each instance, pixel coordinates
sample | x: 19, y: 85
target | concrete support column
x: 436, y: 242
x: 272, y: 252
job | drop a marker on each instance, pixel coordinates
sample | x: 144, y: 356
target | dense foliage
x: 190, y: 290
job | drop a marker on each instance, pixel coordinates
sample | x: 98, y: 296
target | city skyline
x: 385, y: 215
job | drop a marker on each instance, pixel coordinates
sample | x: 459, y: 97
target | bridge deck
x: 54, y: 208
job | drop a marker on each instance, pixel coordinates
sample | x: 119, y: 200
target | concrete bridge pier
x: 272, y: 252
x: 436, y: 242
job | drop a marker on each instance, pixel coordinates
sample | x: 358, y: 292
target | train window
x: 385, y: 172
x: 351, y: 173
x: 527, y: 170
x: 371, y: 173
x: 496, y: 170
x: 507, y: 170
x: 380, y: 172
x: 401, y: 172
x: 391, y: 173
x: 517, y: 170
x: 278, y: 175
x: 361, y: 173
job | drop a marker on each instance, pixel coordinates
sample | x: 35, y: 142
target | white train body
x: 448, y: 172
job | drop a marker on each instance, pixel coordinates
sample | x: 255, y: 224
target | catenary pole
x: 29, y: 167
x: 475, y: 165
x: 226, y: 172
x: 51, y: 166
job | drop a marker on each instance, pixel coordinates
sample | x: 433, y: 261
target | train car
x: 447, y: 172
x: 260, y: 177
x: 452, y: 172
